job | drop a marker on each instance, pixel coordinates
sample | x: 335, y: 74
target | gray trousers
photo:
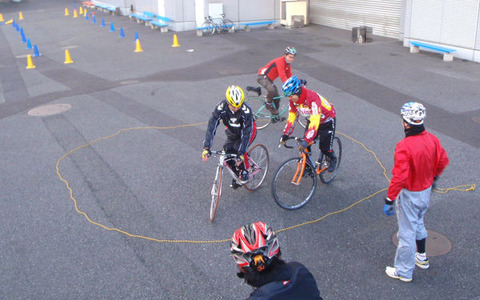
x: 272, y: 92
x: 410, y: 209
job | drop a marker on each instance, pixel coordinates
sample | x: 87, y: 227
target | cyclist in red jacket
x: 322, y: 118
x: 419, y: 160
x: 279, y: 67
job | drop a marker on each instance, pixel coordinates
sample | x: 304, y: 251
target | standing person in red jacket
x: 419, y: 160
x: 279, y: 67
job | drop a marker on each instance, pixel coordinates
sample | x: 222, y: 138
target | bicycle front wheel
x: 326, y: 176
x: 216, y: 193
x: 208, y: 28
x: 228, y: 25
x: 261, y: 114
x: 293, y: 193
x: 258, y: 159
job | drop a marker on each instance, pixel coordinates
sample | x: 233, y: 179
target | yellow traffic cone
x: 20, y: 16
x: 138, y: 47
x: 30, y: 62
x: 9, y: 21
x: 75, y: 15
x: 68, y: 59
x: 80, y: 10
x: 85, y: 12
x: 66, y: 12
x: 175, y: 41
x: 1, y: 18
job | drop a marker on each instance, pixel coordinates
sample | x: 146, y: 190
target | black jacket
x: 301, y: 285
x: 239, y: 125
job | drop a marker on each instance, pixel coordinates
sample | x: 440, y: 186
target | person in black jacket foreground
x: 256, y: 251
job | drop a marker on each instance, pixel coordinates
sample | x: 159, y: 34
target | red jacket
x: 310, y: 104
x: 277, y: 68
x: 418, y: 159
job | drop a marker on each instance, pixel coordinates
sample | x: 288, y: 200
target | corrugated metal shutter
x: 382, y: 15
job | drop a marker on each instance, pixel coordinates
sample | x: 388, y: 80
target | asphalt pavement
x: 105, y: 196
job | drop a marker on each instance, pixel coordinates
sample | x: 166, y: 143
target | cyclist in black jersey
x: 256, y: 251
x: 240, y: 129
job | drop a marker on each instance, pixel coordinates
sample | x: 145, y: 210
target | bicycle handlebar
x: 284, y: 144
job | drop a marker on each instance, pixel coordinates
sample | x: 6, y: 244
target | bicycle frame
x: 304, y: 155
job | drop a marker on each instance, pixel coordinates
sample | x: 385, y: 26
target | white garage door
x: 382, y: 15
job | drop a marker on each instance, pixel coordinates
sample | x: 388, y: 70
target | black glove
x: 303, y: 82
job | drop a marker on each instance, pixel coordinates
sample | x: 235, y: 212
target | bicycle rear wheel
x: 216, y: 193
x: 258, y: 159
x: 325, y: 176
x: 290, y: 195
x: 227, y: 24
x: 208, y: 28
x: 261, y: 114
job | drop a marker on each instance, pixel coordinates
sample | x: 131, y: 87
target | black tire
x: 208, y: 28
x: 289, y: 195
x: 216, y: 193
x: 227, y: 24
x: 259, y: 161
x: 302, y: 120
x: 261, y: 114
x: 327, y: 177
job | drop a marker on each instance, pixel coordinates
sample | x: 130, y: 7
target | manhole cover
x: 437, y: 244
x: 48, y: 110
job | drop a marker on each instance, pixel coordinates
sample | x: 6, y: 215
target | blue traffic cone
x: 22, y: 34
x: 112, y: 29
x: 86, y: 17
x: 29, y: 44
x: 122, y: 34
x: 74, y: 6
x: 14, y: 24
x: 35, y: 51
x: 17, y: 27
x: 93, y: 19
x: 136, y: 36
x: 103, y: 22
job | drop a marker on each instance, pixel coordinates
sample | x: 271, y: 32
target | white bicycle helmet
x: 235, y: 95
x: 413, y: 113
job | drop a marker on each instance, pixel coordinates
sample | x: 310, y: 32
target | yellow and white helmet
x: 235, y: 95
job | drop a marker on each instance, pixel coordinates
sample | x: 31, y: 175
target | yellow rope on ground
x: 463, y: 188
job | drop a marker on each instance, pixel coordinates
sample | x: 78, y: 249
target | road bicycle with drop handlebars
x: 258, y: 161
x: 295, y: 181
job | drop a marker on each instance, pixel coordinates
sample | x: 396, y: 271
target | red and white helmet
x: 254, y: 245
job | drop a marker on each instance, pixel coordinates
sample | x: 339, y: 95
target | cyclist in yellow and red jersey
x: 322, y: 118
x: 279, y: 67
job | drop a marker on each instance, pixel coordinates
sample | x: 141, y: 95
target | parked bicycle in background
x: 212, y: 25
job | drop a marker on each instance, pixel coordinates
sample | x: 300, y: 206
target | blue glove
x: 303, y: 145
x: 389, y: 208
x: 434, y: 185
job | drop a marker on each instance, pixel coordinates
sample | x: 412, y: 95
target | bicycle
x: 263, y: 117
x: 217, y: 24
x: 258, y: 160
x: 295, y: 181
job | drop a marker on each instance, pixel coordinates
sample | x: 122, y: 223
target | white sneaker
x: 421, y: 261
x: 392, y: 273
